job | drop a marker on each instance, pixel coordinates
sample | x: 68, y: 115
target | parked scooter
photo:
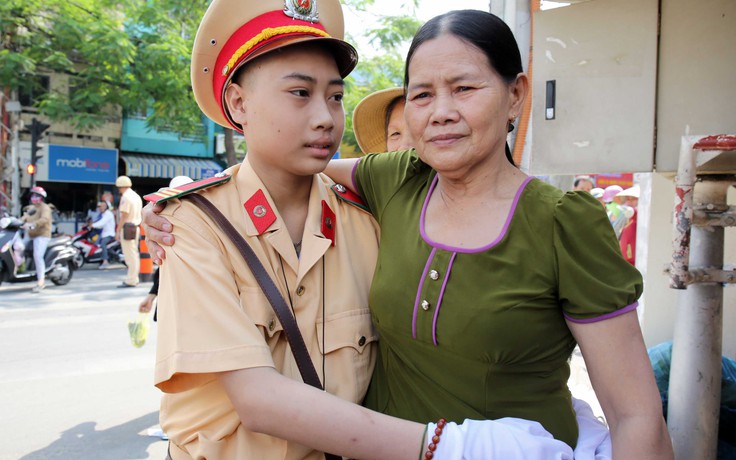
x: 89, y: 252
x: 59, y: 256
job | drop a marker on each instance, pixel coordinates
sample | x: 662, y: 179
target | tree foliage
x: 134, y: 56
x: 382, y: 68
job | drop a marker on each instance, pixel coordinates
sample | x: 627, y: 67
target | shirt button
x: 300, y: 290
x: 434, y: 275
x: 425, y: 305
x: 270, y: 325
x: 361, y: 342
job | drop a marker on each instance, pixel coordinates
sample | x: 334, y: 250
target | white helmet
x: 123, y: 181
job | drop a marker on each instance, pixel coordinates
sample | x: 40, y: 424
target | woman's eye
x: 300, y: 92
x: 394, y: 134
x: 464, y: 88
x: 338, y: 97
x: 420, y: 96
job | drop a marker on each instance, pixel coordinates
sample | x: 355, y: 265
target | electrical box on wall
x: 594, y: 87
x: 604, y: 83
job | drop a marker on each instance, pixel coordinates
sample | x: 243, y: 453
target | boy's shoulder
x: 168, y: 193
x: 346, y: 195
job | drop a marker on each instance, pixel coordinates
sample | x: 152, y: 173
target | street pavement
x: 72, y: 386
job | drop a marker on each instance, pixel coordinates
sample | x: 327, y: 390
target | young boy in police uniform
x: 273, y: 70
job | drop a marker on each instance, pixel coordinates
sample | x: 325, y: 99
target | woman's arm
x: 158, y: 229
x: 623, y: 380
x: 341, y: 171
x: 268, y: 402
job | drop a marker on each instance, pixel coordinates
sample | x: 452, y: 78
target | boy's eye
x: 300, y: 92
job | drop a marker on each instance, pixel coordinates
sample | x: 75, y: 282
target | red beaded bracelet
x: 435, y: 439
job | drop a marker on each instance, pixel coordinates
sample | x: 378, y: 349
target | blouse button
x: 361, y: 342
x: 434, y: 275
x: 425, y: 305
x: 300, y: 290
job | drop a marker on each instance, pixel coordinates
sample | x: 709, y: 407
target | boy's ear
x: 235, y: 100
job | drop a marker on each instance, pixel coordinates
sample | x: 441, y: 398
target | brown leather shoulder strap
x: 288, y: 322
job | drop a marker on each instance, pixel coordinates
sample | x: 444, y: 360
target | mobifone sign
x: 82, y: 164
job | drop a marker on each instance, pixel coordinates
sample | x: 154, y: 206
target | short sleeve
x: 595, y: 281
x: 378, y: 176
x: 125, y: 205
x: 202, y: 327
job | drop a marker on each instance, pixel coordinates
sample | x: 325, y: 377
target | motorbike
x: 85, y: 240
x: 59, y: 256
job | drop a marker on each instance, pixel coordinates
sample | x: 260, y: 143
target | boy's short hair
x: 233, y: 32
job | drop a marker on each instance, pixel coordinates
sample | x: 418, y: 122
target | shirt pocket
x: 348, y: 342
x: 255, y: 304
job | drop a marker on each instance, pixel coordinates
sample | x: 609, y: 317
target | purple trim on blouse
x: 439, y: 299
x: 352, y: 175
x: 449, y: 248
x: 419, y: 293
x: 613, y: 314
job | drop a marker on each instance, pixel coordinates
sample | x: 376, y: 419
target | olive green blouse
x: 481, y: 333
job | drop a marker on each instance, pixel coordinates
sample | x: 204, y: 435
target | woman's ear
x: 235, y: 101
x: 519, y: 90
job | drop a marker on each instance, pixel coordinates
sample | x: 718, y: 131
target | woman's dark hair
x: 483, y: 30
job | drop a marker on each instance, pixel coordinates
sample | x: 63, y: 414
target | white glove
x: 518, y: 439
x: 594, y: 439
x: 503, y: 439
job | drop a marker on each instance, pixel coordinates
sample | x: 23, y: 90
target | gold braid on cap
x: 266, y: 34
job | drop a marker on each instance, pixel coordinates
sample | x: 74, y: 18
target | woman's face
x: 458, y: 107
x: 397, y: 133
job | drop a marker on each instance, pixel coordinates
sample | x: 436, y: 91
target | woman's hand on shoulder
x: 158, y: 231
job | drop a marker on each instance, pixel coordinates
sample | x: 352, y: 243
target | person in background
x: 584, y: 183
x: 129, y: 216
x: 106, y: 223
x: 597, y: 193
x: 615, y: 211
x: 37, y: 225
x: 627, y: 239
x: 378, y: 122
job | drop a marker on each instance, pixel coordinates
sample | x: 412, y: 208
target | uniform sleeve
x: 203, y: 328
x: 124, y: 205
x: 377, y: 177
x: 594, y: 280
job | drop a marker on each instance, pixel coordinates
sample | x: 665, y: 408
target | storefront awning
x: 166, y: 167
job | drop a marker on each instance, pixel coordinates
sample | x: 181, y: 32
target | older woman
x: 507, y: 273
x: 484, y: 284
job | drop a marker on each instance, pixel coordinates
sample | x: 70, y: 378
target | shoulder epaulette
x: 348, y: 196
x: 168, y: 193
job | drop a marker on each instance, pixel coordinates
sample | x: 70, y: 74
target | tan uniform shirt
x: 132, y: 204
x: 213, y: 317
